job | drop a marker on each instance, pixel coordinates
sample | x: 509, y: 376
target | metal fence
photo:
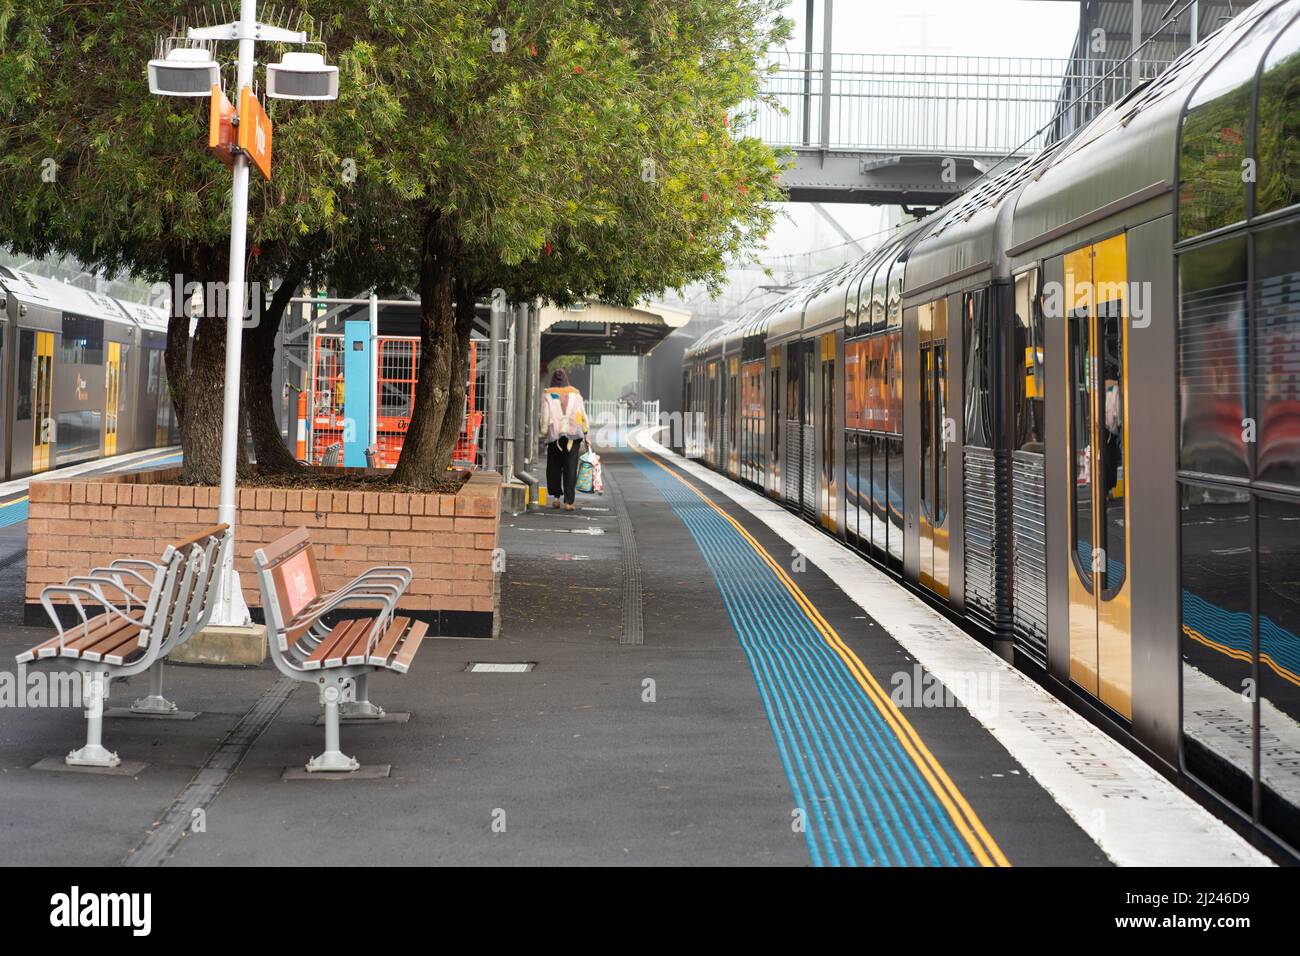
x: 921, y: 103
x: 610, y: 421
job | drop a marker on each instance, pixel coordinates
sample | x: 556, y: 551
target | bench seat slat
x: 85, y: 637
x: 113, y: 645
x: 357, y: 655
x: 384, y: 648
x: 410, y: 644
x: 337, y: 635
x: 345, y: 648
x: 48, y: 648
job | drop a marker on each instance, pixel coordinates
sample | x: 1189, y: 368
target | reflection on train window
x: 1277, y: 354
x: 1213, y: 191
x: 78, y: 435
x: 979, y: 354
x: 1212, y: 349
x: 1081, y: 439
x: 26, y: 354
x: 1217, y: 640
x: 1030, y: 369
x: 1279, y: 667
x: 1277, y: 125
x: 155, y: 357
x: 1110, y: 318
x: 82, y: 342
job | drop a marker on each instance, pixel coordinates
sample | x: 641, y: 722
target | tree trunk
x: 176, y: 359
x: 273, y: 456
x: 201, y: 430
x: 419, y: 465
x: 454, y: 417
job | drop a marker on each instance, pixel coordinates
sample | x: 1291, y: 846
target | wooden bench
x: 337, y: 657
x: 132, y: 631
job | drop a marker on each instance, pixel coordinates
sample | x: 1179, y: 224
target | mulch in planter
x: 315, y: 479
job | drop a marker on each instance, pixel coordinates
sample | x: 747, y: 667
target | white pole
x: 231, y: 610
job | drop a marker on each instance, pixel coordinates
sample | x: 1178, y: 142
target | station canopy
x: 599, y: 329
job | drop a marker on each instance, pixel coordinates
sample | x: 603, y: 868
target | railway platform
x: 685, y: 674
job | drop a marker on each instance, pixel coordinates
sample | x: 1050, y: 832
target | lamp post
x: 191, y: 71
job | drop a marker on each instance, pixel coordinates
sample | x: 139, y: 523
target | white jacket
x: 563, y: 414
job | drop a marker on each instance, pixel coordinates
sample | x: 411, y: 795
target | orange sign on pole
x: 221, y: 128
x: 255, y: 131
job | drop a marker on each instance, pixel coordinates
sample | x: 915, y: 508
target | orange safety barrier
x: 326, y: 394
x: 397, y: 361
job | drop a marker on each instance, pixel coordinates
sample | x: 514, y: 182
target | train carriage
x: 1066, y: 408
x: 81, y: 373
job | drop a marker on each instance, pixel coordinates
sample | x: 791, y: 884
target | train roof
x: 147, y: 317
x: 62, y: 297
x: 1129, y: 153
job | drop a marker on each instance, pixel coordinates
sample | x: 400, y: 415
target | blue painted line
x: 13, y: 512
x: 865, y: 800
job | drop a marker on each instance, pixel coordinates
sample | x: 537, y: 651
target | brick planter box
x: 447, y: 540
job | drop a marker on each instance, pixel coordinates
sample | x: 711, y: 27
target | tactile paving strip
x: 173, y: 825
x: 633, y: 619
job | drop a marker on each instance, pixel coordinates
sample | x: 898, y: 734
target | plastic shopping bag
x: 589, y: 477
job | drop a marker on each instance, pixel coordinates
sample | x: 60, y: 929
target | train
x: 1065, y: 409
x: 82, y: 375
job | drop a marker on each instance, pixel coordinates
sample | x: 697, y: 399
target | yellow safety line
x: 14, y: 501
x: 963, y: 816
x: 1264, y: 657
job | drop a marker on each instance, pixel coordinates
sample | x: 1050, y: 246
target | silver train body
x: 81, y: 374
x: 1066, y: 409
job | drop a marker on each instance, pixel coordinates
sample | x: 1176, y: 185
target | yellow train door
x: 112, y: 389
x: 1097, y: 427
x: 43, y: 397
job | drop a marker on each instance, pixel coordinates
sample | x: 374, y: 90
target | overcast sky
x: 955, y: 27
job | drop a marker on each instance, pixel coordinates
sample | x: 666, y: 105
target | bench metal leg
x: 361, y: 708
x: 94, y: 692
x: 155, y: 703
x: 333, y: 759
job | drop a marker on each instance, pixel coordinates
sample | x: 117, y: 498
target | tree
x: 94, y: 166
x: 526, y: 132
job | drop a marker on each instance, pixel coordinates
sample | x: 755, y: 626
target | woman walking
x: 564, y: 420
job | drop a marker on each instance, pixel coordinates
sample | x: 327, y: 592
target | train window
x: 1277, y: 125
x: 155, y: 360
x: 1217, y: 640
x: 1212, y: 349
x: 1080, y: 391
x: 979, y: 354
x: 82, y: 342
x: 26, y: 351
x: 1279, y: 670
x: 894, y: 296
x: 1110, y: 438
x: 893, y: 492
x: 1277, y: 353
x: 1030, y: 371
x: 878, y: 284
x: 1212, y: 191
x: 809, y: 371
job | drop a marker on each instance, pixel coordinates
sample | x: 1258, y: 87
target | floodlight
x: 302, y: 76
x: 185, y: 71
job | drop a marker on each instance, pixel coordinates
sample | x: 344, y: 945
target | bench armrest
x: 386, y: 596
x: 116, y: 569
x: 95, y: 582
x: 77, y: 593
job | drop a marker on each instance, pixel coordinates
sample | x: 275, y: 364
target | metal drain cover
x: 494, y: 667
